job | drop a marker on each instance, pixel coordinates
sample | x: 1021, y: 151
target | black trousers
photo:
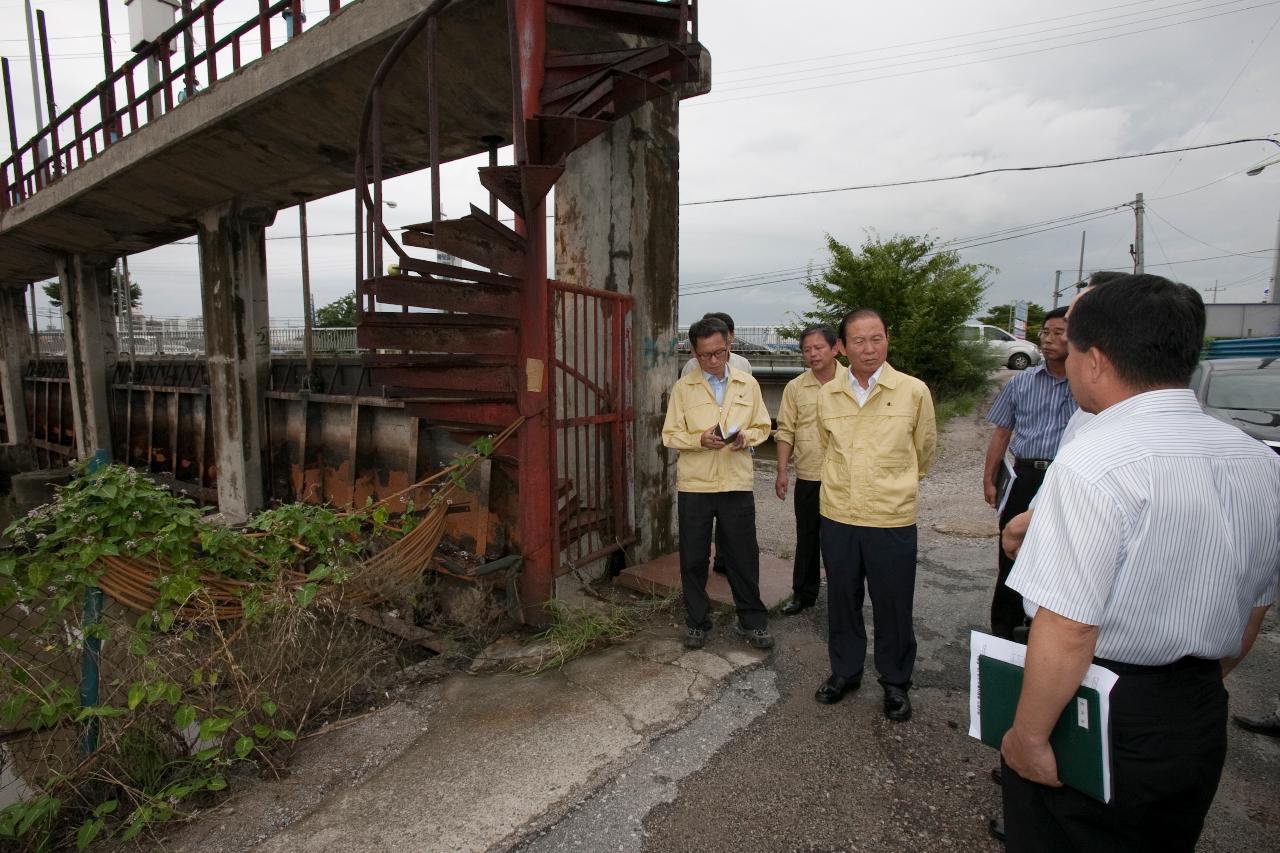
x: 806, y: 574
x: 1006, y: 604
x: 734, y: 514
x: 884, y: 560
x: 1169, y: 742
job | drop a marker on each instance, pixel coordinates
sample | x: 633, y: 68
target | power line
x: 915, y: 181
x: 714, y: 100
x: 965, y: 49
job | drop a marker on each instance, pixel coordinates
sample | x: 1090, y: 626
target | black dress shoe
x: 1268, y: 725
x: 995, y: 826
x: 834, y: 689
x: 794, y: 606
x: 897, y: 704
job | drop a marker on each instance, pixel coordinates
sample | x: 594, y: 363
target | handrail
x: 368, y: 207
x: 18, y: 183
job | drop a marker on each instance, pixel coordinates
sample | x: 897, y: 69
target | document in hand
x: 1081, y: 740
x: 1004, y: 483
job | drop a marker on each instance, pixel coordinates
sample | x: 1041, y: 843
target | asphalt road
x: 768, y: 769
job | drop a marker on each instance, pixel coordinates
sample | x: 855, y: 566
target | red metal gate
x: 592, y: 444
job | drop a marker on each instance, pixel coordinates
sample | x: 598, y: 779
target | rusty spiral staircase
x: 474, y: 349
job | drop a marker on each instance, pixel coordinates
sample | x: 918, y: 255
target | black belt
x: 1038, y: 464
x: 1182, y: 665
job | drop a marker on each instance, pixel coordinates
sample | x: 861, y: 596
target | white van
x: 1016, y: 354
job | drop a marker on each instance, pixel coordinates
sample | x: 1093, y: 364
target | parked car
x: 1016, y: 354
x: 1244, y: 392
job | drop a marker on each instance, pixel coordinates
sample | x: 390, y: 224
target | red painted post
x: 535, y: 448
x: 264, y: 26
x: 210, y: 44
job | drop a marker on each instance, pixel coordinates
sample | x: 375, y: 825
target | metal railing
x: 179, y: 343
x: 143, y: 88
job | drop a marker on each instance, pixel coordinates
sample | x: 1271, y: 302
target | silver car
x: 1014, y: 353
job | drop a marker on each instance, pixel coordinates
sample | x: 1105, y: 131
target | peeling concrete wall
x: 233, y: 290
x: 618, y: 228
x: 92, y: 349
x: 15, y: 351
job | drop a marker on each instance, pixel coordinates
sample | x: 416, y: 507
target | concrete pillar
x: 92, y: 350
x: 233, y: 290
x: 15, y: 352
x: 618, y: 228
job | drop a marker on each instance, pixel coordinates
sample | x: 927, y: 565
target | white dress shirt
x: 1161, y: 526
x: 863, y: 394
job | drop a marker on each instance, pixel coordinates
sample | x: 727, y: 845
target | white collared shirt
x: 1160, y: 525
x: 862, y: 394
x: 718, y: 385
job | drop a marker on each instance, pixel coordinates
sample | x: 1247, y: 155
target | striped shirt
x: 1161, y: 526
x: 1036, y: 407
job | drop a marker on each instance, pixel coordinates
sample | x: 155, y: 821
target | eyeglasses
x: 716, y: 355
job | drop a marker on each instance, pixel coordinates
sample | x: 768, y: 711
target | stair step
x: 436, y: 333
x: 455, y: 296
x: 443, y: 270
x: 417, y: 381
x: 639, y: 17
x: 478, y: 238
x: 521, y: 188
x: 552, y: 138
x: 666, y: 63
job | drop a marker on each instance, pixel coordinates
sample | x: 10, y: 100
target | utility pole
x: 1139, y: 263
x: 307, y: 349
x: 1214, y: 290
x: 1057, y: 288
x: 41, y: 148
x: 1080, y: 271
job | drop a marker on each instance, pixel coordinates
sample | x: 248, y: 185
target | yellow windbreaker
x: 693, y: 410
x: 798, y: 421
x: 875, y: 454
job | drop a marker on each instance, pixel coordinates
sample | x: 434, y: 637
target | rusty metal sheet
x: 442, y: 295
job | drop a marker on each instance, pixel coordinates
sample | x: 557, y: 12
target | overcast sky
x: 827, y: 94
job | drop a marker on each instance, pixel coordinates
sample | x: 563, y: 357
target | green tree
x: 998, y: 315
x: 53, y: 290
x: 924, y: 295
x: 339, y: 313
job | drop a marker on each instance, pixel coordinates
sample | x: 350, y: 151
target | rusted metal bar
x: 618, y: 431
x: 109, y: 121
x: 211, y: 44
x: 375, y: 247
x: 521, y: 115
x: 264, y: 27
x: 295, y: 10
x: 130, y: 101
x: 307, y: 349
x: 433, y: 117
x: 166, y: 75
x: 333, y: 6
x: 48, y: 86
x: 188, y: 52
x: 8, y: 108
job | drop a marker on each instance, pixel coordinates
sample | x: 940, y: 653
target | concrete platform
x: 662, y: 576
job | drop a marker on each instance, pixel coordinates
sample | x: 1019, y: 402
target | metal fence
x: 188, y: 341
x: 751, y: 339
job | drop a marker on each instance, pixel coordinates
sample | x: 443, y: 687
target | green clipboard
x: 1076, y: 739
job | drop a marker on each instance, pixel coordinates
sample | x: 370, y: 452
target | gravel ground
x: 802, y: 776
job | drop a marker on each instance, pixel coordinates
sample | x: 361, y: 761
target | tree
x: 340, y: 313
x: 924, y: 295
x: 53, y: 290
x: 998, y: 315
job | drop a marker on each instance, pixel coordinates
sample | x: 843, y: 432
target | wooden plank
x: 400, y: 628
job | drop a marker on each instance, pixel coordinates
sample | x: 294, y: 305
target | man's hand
x: 780, y: 485
x: 709, y: 439
x: 1030, y: 758
x: 1014, y: 532
x: 989, y: 491
x: 739, y: 441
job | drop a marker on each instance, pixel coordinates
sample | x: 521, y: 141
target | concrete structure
x: 1242, y: 320
x: 15, y: 352
x: 92, y: 349
x: 233, y: 290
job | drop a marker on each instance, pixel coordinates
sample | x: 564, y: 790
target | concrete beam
x: 15, y: 352
x: 92, y: 350
x: 618, y: 228
x: 233, y: 290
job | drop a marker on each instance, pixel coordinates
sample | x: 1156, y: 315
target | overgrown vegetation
x: 925, y: 293
x: 184, y: 704
x: 575, y: 631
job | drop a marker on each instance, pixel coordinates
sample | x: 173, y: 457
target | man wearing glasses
x: 715, y: 415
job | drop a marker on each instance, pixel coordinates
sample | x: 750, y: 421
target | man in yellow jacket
x: 716, y: 415
x: 879, y: 435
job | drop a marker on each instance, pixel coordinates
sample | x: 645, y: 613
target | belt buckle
x: 1040, y: 464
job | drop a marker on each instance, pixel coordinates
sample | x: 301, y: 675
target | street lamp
x: 1275, y: 270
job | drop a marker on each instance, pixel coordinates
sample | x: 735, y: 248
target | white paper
x: 1097, y: 678
x: 1008, y: 484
